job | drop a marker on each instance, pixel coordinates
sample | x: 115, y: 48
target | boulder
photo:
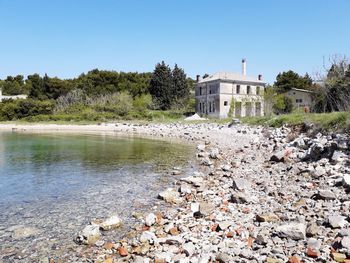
x: 295, y: 231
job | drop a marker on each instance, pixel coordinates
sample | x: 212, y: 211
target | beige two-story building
x: 227, y: 94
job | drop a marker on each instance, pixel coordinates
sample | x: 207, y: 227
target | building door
x: 258, y: 109
x: 238, y: 109
x: 248, y: 109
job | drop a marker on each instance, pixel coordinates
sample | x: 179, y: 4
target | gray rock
x: 148, y: 236
x: 206, y: 162
x: 345, y: 242
x: 344, y: 232
x: 185, y: 189
x: 336, y: 221
x: 239, y: 198
x: 201, y: 147
x: 206, y: 208
x: 318, y: 172
x: 223, y: 258
x: 112, y: 222
x: 89, y: 236
x: 225, y: 225
x: 195, y: 180
x: 226, y: 168
x: 189, y: 248
x: 24, y: 232
x: 295, y: 231
x: 241, y: 184
x: 346, y: 180
x: 312, y: 230
x: 261, y: 239
x: 150, y: 219
x: 214, y: 153
x: 325, y: 195
x: 170, y: 196
x: 277, y: 157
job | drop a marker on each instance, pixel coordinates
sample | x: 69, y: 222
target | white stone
x: 110, y: 223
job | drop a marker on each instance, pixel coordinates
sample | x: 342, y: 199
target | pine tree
x: 161, y: 86
x: 180, y: 87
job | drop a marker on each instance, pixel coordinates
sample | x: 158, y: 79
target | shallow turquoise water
x: 56, y: 183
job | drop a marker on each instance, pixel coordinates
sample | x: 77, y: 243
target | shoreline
x: 259, y: 195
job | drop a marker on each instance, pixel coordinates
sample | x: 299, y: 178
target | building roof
x: 302, y: 90
x: 230, y: 76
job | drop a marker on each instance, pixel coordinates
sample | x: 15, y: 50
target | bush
x: 18, y: 109
x: 282, y: 104
x: 142, y: 103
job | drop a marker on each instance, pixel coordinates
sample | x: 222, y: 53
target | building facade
x: 301, y: 98
x: 226, y: 94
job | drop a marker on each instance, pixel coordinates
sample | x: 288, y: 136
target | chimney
x: 244, y: 67
x: 260, y: 77
x: 198, y: 77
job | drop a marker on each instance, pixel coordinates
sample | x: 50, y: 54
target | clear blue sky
x: 67, y: 37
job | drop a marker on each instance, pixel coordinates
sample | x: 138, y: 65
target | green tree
x: 161, y: 86
x: 36, y: 87
x: 290, y: 79
x: 180, y: 88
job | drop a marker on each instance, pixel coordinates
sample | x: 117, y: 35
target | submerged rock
x: 24, y: 232
x: 89, y: 236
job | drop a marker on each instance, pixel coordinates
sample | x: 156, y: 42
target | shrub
x: 282, y: 104
x: 18, y: 109
x: 142, y: 103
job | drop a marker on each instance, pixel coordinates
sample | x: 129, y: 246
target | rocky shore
x: 260, y: 195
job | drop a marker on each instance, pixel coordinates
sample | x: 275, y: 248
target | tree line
x: 99, y: 92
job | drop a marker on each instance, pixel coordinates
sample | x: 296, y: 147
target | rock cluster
x: 279, y: 197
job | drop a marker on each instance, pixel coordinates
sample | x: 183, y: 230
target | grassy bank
x: 335, y: 121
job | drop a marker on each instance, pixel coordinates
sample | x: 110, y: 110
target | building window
x: 200, y: 91
x: 298, y: 100
x: 238, y: 89
x: 200, y: 107
x: 213, y: 106
x: 248, y: 90
x: 225, y: 103
x: 257, y: 90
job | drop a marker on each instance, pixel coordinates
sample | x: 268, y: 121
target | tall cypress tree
x: 180, y: 86
x: 161, y: 86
